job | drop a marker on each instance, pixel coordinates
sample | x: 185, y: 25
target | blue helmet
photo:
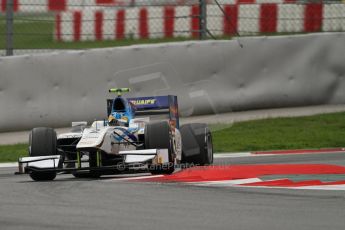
x: 121, y: 111
x: 117, y: 118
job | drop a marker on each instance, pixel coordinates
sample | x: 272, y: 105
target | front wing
x: 57, y: 163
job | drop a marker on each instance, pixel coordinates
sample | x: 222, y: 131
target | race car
x: 141, y: 134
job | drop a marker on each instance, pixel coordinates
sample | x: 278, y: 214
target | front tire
x: 43, y: 176
x: 158, y: 136
x: 42, y: 142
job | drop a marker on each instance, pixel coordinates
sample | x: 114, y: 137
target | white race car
x: 140, y: 134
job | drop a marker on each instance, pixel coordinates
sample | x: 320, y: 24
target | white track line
x: 232, y: 155
x: 248, y: 154
x: 8, y: 165
x: 324, y: 187
x: 244, y: 154
x: 134, y: 178
x: 225, y: 183
x: 241, y: 183
x: 318, y: 187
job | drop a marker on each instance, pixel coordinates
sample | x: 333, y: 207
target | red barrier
x: 57, y: 5
x: 231, y: 19
x: 195, y: 14
x: 112, y: 2
x: 268, y: 18
x: 120, y: 25
x: 266, y: 23
x: 58, y: 27
x: 105, y: 1
x: 169, y: 18
x: 313, y: 17
x: 143, y: 23
x: 77, y: 25
x: 99, y: 25
x: 246, y: 1
x: 15, y: 5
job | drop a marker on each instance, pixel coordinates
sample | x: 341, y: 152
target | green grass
x: 11, y: 153
x: 320, y: 131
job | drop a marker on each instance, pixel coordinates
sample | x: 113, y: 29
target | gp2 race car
x: 140, y: 134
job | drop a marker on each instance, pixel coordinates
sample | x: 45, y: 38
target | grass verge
x: 320, y: 131
x: 11, y: 153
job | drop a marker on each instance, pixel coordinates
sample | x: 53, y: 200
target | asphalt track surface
x: 69, y: 203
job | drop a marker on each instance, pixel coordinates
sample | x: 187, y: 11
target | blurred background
x: 36, y: 26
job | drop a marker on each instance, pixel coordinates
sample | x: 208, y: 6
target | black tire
x: 42, y: 142
x: 197, y: 146
x: 158, y: 136
x: 43, y: 176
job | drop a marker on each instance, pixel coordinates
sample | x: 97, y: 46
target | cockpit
x: 119, y: 105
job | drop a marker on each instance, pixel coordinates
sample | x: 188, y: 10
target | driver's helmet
x: 117, y: 119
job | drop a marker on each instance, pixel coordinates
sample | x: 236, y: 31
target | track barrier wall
x: 207, y: 76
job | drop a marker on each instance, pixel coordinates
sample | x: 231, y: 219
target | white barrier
x: 208, y: 77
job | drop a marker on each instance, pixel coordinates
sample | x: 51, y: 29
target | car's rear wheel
x: 158, y: 136
x: 197, y: 146
x: 42, y: 142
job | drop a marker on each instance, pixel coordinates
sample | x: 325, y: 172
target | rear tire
x: 197, y: 146
x: 158, y: 136
x: 42, y: 142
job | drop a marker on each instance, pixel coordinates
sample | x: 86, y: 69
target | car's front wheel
x: 42, y: 142
x: 158, y: 136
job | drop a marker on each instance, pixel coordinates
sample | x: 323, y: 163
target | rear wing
x: 154, y: 105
